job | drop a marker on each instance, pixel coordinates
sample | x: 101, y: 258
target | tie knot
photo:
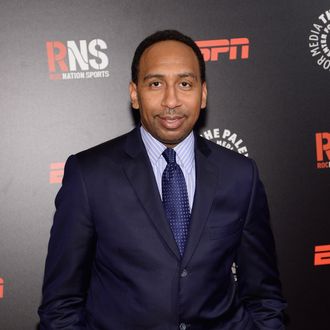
x: 169, y: 155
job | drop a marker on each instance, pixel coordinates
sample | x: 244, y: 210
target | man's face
x: 169, y: 93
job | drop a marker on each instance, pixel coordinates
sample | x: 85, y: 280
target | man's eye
x: 185, y: 84
x: 155, y: 84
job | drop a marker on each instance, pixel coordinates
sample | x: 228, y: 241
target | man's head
x: 164, y: 36
x: 168, y: 85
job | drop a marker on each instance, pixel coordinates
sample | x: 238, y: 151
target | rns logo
x: 80, y: 60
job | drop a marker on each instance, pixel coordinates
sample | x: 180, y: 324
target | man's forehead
x: 167, y: 47
x: 172, y: 53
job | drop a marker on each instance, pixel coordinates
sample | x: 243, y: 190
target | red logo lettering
x: 212, y: 48
x: 322, y: 255
x: 322, y: 141
x: 56, y: 52
x: 322, y: 146
x: 56, y: 173
x: 2, y: 282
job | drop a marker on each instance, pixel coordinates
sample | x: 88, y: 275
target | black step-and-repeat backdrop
x: 65, y: 69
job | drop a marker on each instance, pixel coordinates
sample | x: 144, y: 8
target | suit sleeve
x: 258, y: 277
x: 70, y: 255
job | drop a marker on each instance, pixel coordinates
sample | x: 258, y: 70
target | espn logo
x: 322, y: 255
x: 212, y: 48
x: 2, y: 283
x: 56, y: 173
x: 322, y: 141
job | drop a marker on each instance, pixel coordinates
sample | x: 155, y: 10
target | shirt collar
x: 184, y: 150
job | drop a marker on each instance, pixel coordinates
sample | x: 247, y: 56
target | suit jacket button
x: 182, y: 326
x: 184, y: 273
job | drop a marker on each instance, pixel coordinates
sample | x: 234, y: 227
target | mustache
x: 172, y: 112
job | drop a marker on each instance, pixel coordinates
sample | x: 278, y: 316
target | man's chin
x: 172, y: 141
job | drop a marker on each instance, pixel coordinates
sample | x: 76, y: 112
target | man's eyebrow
x: 161, y: 76
x: 187, y: 74
x: 153, y: 75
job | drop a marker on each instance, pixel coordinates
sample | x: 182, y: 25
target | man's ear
x: 204, y: 95
x: 133, y: 95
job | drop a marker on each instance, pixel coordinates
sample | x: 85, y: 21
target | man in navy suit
x: 118, y: 261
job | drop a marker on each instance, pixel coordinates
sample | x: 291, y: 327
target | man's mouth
x: 171, y: 122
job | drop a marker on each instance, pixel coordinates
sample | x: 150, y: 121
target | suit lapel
x: 140, y: 174
x: 206, y: 183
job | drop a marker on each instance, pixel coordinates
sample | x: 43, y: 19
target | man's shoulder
x: 220, y: 154
x: 231, y: 166
x: 110, y: 153
x: 108, y: 148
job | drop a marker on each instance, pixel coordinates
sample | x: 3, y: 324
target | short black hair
x: 164, y: 36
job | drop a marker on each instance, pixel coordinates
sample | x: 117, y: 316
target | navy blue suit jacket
x: 113, y: 263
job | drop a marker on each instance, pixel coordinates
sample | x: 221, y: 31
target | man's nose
x: 170, y: 98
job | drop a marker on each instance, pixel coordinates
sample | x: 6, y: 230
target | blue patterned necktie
x: 175, y: 199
